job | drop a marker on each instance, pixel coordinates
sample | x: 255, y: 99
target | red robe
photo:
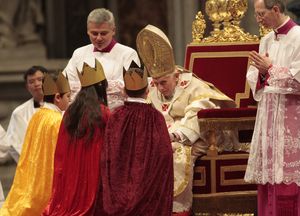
x: 76, y: 174
x: 137, y: 163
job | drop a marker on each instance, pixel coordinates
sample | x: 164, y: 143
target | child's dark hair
x: 137, y: 93
x: 84, y: 114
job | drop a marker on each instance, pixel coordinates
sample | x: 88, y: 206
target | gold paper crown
x: 90, y: 76
x: 51, y: 87
x: 135, y: 78
x: 155, y: 51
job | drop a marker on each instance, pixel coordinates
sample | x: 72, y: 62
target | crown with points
x: 135, y: 78
x: 90, y: 76
x: 51, y: 86
x: 155, y: 51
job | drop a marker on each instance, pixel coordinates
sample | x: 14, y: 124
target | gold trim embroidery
x: 202, y: 171
x: 228, y: 182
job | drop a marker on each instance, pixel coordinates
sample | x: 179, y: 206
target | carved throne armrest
x: 225, y: 119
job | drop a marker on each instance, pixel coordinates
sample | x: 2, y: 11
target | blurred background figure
x: 20, y: 22
x: 22, y: 114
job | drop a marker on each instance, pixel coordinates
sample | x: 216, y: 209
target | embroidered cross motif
x: 164, y: 107
x: 183, y: 83
x: 151, y: 83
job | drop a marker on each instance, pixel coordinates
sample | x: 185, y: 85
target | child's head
x: 84, y: 115
x: 136, y: 82
x: 94, y: 77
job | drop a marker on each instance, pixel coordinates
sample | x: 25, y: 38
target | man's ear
x: 114, y: 30
x: 276, y: 9
x: 57, y: 98
x: 26, y: 85
x: 176, y: 74
x: 147, y: 91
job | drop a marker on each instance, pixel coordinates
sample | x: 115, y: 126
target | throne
x: 222, y: 59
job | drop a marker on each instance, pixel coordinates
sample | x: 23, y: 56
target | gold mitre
x: 155, y: 51
x: 51, y: 86
x: 90, y: 76
x: 135, y: 78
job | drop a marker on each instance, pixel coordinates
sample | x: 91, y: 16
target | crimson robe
x: 137, y: 163
x: 77, y: 173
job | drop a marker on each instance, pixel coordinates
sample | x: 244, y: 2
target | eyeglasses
x: 260, y: 14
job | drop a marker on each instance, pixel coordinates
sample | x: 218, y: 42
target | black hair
x: 33, y: 70
x: 50, y: 98
x: 84, y: 114
x: 137, y: 93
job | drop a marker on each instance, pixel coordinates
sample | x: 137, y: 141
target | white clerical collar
x: 138, y: 100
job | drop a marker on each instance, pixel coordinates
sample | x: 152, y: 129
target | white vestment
x: 4, y: 154
x: 18, y: 124
x: 180, y: 113
x: 275, y: 147
x: 112, y: 62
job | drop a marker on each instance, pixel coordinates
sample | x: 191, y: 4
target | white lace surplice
x: 275, y: 148
x: 115, y: 94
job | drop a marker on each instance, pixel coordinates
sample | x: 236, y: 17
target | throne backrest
x: 224, y: 65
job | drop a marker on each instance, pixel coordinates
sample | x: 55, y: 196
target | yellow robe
x: 32, y: 184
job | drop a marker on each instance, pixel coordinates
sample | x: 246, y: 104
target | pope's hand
x: 175, y: 145
x: 174, y: 137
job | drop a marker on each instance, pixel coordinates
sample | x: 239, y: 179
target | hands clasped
x: 261, y: 62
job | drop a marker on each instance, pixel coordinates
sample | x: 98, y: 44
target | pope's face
x: 100, y: 34
x: 166, y: 84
